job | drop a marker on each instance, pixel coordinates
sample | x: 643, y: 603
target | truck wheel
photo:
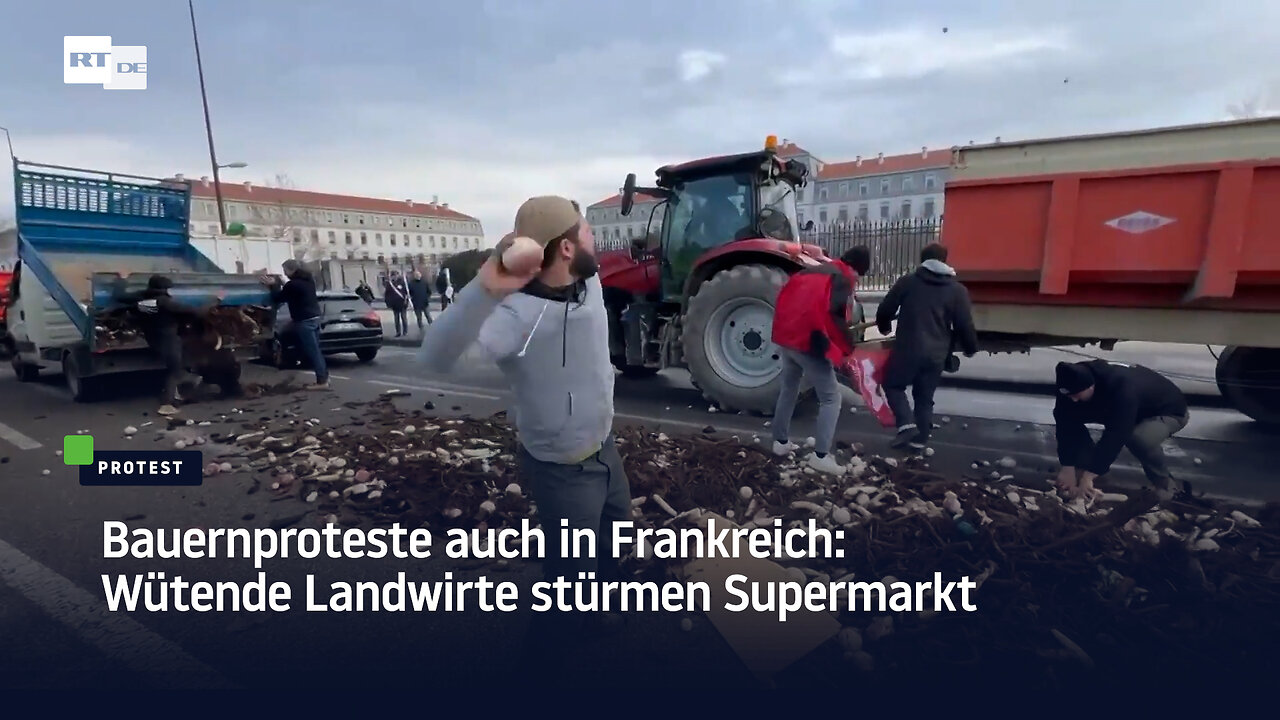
x: 25, y: 372
x: 727, y: 335
x: 366, y: 354
x: 83, y: 389
x: 1249, y: 379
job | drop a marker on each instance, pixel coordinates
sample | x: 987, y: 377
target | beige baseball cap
x: 545, y: 218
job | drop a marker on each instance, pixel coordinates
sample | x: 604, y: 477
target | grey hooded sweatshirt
x: 933, y: 312
x: 553, y: 347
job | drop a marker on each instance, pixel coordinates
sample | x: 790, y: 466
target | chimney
x: 858, y: 161
x: 204, y: 179
x: 924, y: 151
x: 409, y: 202
x: 444, y: 205
x: 435, y: 199
x: 180, y: 177
x: 248, y: 186
x: 880, y: 158
x: 997, y: 138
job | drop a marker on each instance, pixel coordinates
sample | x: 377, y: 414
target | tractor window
x: 780, y: 197
x: 704, y: 214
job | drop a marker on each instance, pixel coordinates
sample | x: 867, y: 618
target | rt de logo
x: 93, y: 60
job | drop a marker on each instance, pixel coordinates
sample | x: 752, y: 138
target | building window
x: 906, y: 209
x: 863, y: 190
x: 906, y: 184
x: 315, y: 236
x: 364, y: 239
x: 884, y: 211
x: 393, y: 239
x: 455, y: 243
x: 844, y: 189
x: 377, y: 239
x: 930, y: 181
x: 862, y: 212
x: 346, y: 219
x: 297, y: 235
x: 360, y: 218
x: 328, y: 217
x: 884, y: 186
x: 431, y: 242
x: 333, y: 238
x: 419, y: 241
x: 928, y: 209
x: 843, y: 215
x: 404, y: 222
x: 822, y: 216
x: 346, y: 236
x: 822, y: 194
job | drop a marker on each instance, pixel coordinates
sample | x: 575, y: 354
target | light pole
x: 208, y: 125
x: 10, y: 139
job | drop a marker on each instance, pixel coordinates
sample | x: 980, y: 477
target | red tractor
x: 702, y: 297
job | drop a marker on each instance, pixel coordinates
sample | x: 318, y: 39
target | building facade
x: 614, y: 231
x: 346, y: 230
x: 879, y: 189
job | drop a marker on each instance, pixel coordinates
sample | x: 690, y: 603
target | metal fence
x: 895, y: 245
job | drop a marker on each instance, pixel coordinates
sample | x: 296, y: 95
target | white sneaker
x: 784, y: 449
x: 826, y: 464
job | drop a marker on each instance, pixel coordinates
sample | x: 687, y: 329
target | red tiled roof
x: 328, y: 201
x: 617, y: 200
x: 890, y: 164
x: 791, y: 150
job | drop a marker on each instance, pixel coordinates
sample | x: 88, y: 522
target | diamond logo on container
x: 1136, y: 223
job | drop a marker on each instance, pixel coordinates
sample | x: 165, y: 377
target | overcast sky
x: 486, y: 102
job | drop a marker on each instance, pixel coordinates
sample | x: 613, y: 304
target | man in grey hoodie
x: 933, y: 311
x: 548, y: 332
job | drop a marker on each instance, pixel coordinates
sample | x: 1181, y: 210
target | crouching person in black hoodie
x: 931, y: 309
x: 1139, y: 408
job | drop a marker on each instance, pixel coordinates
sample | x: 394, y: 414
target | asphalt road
x: 51, y: 546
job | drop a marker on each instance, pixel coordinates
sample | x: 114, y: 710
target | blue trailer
x: 88, y: 242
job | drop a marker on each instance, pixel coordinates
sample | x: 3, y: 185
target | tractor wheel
x: 1249, y: 379
x: 726, y: 339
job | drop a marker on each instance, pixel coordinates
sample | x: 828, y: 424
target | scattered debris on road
x: 1123, y: 581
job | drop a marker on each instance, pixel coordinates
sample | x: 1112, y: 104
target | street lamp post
x: 208, y: 125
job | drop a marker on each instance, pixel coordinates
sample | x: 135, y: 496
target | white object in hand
x: 522, y: 257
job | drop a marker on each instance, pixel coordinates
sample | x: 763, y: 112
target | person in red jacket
x: 811, y: 327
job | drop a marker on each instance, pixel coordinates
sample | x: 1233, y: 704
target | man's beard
x: 583, y: 265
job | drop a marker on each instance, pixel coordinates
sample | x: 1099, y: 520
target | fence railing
x: 895, y: 245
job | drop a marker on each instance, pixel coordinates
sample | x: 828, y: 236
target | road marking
x: 21, y: 441
x: 445, y: 390
x: 118, y: 636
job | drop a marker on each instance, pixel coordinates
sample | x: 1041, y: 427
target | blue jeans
x: 309, y: 341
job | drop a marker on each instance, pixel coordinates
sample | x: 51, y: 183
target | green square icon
x: 77, y: 449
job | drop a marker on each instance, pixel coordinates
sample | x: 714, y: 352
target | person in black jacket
x: 932, y: 310
x: 443, y: 288
x: 419, y: 297
x: 1139, y: 408
x: 396, y: 295
x: 299, y: 293
x: 161, y: 316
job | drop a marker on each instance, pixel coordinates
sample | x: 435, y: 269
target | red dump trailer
x: 1167, y: 235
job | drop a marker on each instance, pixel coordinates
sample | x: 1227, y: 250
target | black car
x: 348, y: 324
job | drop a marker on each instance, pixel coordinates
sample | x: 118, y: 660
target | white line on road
x: 118, y: 636
x: 21, y: 441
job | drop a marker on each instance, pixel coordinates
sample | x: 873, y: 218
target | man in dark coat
x: 1139, y: 409
x: 396, y: 294
x: 932, y: 311
x: 161, y: 316
x: 299, y: 293
x: 443, y: 288
x: 419, y: 297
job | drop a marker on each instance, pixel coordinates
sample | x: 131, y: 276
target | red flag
x: 866, y: 367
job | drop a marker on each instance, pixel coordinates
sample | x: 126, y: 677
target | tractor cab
x: 702, y: 295
x: 712, y: 203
